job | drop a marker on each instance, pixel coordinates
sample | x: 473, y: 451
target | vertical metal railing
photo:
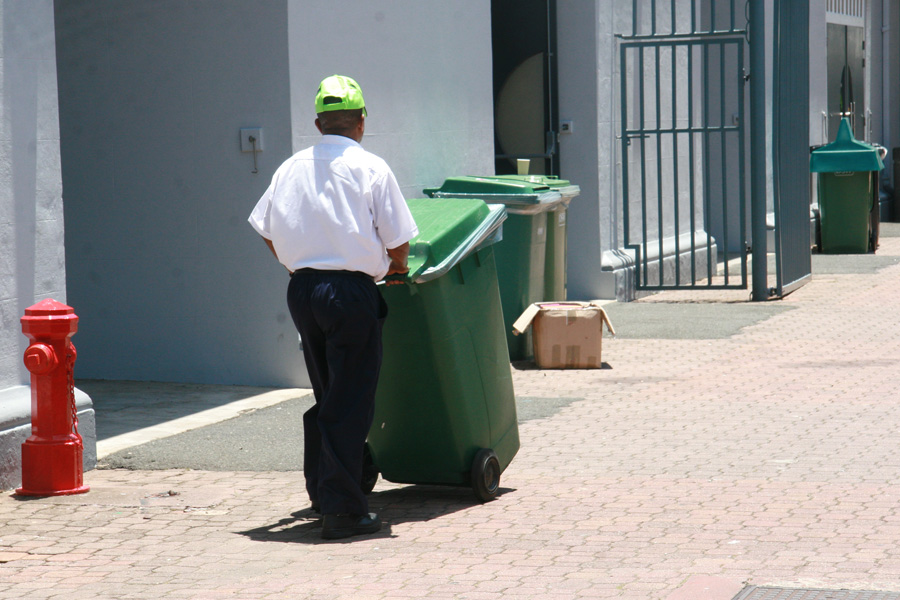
x: 703, y: 48
x: 655, y: 29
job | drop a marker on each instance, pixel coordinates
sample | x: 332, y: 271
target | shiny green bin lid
x: 565, y: 188
x: 519, y: 196
x: 845, y: 154
x: 493, y: 187
x: 444, y: 224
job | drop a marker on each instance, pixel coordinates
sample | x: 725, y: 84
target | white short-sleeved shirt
x: 334, y: 206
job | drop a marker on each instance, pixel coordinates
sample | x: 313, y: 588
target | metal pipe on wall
x: 757, y: 28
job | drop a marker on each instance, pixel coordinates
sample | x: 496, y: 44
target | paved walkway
x: 683, y: 471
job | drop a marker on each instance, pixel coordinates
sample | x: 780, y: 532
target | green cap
x: 339, y: 93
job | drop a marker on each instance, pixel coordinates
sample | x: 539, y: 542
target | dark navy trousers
x: 339, y: 315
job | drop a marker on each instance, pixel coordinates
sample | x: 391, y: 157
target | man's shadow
x: 415, y: 503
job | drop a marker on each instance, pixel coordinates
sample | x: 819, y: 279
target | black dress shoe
x: 335, y: 527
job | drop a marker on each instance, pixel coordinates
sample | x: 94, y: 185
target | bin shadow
x: 414, y: 503
x: 530, y: 365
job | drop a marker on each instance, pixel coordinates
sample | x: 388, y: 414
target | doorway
x: 525, y: 86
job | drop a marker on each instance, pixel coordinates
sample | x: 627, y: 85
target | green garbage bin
x: 521, y: 255
x: 445, y: 410
x: 847, y: 171
x: 557, y: 237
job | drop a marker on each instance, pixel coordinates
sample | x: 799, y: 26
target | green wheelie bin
x: 848, y: 192
x: 521, y: 255
x: 445, y: 411
x: 557, y: 237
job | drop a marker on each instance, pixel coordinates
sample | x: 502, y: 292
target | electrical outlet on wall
x: 247, y: 143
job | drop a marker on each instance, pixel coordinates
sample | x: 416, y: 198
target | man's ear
x: 318, y: 125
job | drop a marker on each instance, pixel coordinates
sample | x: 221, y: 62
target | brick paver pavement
x: 769, y: 458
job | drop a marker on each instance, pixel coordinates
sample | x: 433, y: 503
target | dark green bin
x: 521, y: 255
x: 445, y: 410
x: 847, y: 171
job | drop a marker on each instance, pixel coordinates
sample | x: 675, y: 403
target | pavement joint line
x: 218, y: 414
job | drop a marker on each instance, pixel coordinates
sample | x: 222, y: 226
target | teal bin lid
x: 845, y: 154
x: 448, y: 231
x: 519, y: 195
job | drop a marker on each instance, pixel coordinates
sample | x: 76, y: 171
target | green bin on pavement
x: 557, y: 236
x: 521, y: 255
x: 847, y: 171
x: 445, y: 410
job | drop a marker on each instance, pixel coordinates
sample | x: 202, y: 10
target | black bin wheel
x: 485, y: 475
x: 370, y: 472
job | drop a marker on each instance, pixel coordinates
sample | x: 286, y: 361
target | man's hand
x: 398, y: 266
x: 398, y: 256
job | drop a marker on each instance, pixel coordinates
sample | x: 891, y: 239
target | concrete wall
x: 171, y: 282
x: 590, y: 156
x: 164, y: 271
x: 425, y: 72
x: 586, y: 98
x: 32, y: 255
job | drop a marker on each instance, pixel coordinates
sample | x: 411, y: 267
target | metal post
x: 757, y: 28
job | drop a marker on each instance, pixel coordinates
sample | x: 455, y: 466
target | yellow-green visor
x: 339, y: 93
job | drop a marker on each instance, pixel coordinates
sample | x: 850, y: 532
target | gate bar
x: 723, y: 148
x: 675, y: 154
x: 659, y: 169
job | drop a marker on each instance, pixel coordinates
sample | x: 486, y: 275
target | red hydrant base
x: 52, y: 469
x: 79, y: 490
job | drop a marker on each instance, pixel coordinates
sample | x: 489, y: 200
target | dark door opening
x: 525, y: 86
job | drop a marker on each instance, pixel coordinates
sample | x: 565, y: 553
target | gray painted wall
x: 163, y: 269
x: 32, y: 256
x: 425, y: 69
x: 171, y: 282
x: 588, y: 96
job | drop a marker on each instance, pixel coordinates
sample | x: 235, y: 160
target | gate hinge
x: 746, y: 75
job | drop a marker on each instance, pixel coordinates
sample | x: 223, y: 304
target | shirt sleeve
x: 394, y: 222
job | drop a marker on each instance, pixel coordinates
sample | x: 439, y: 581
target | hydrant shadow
x: 414, y: 503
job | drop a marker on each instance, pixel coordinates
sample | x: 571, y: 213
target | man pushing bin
x: 334, y: 216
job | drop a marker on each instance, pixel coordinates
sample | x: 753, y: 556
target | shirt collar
x: 339, y: 140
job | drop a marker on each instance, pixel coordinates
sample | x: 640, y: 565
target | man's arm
x: 398, y: 256
x: 271, y: 247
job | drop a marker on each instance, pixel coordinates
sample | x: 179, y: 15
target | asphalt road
x: 267, y: 439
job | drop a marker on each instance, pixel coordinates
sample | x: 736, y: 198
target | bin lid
x: 518, y: 195
x: 449, y: 230
x: 845, y: 154
x: 565, y: 188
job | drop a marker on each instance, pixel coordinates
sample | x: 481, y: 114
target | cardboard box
x: 566, y: 335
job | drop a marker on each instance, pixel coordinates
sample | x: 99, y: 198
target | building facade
x: 124, y: 185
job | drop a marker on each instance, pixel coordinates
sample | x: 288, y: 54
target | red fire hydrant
x: 52, y: 455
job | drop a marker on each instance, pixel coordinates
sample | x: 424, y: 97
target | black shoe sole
x: 337, y: 533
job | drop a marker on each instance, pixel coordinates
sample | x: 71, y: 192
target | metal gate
x: 683, y: 144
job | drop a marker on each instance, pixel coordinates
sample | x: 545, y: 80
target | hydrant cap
x: 48, y: 308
